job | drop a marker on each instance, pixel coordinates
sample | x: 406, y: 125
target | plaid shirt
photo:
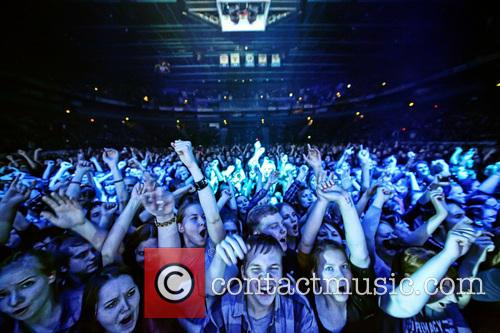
x: 292, y: 191
x: 291, y: 314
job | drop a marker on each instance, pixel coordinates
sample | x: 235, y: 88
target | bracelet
x: 117, y: 181
x: 166, y: 223
x: 201, y: 184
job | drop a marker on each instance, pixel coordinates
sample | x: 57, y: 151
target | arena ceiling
x: 115, y: 45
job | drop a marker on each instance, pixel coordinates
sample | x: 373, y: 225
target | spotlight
x: 361, y: 116
x: 411, y: 104
x: 348, y: 86
x: 436, y: 106
x: 225, y: 97
x: 310, y: 122
x: 308, y: 137
x: 186, y: 101
x: 68, y: 111
x: 246, y: 48
x: 225, y: 122
x: 358, y: 113
x: 178, y: 121
x: 123, y: 121
x: 338, y: 94
x: 92, y: 120
x: 262, y: 121
x: 498, y: 84
x: 403, y: 129
x: 96, y: 89
x: 309, y: 118
x: 127, y: 118
x: 146, y: 99
x: 384, y: 84
x: 261, y: 96
x: 290, y: 94
x: 300, y: 98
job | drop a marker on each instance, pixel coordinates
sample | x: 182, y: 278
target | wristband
x: 117, y: 181
x: 201, y: 184
x: 166, y: 223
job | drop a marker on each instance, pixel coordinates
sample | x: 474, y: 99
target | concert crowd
x: 75, y: 226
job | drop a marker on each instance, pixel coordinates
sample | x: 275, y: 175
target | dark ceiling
x: 364, y: 42
x: 444, y: 55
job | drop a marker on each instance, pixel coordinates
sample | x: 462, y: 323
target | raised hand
x: 137, y: 192
x: 84, y: 166
x: 68, y: 213
x: 437, y: 199
x: 303, y: 170
x: 157, y: 201
x: 66, y: 165
x: 349, y: 151
x: 328, y: 189
x: 109, y: 208
x: 230, y: 249
x: 363, y: 156
x: 482, y: 245
x: 16, y: 194
x: 313, y: 157
x: 460, y: 239
x: 184, y: 150
x: 411, y: 155
x: 110, y: 156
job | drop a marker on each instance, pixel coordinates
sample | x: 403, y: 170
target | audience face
x: 193, y: 226
x: 257, y: 267
x: 139, y: 251
x: 117, y: 309
x: 328, y: 233
x: 290, y: 220
x: 272, y: 225
x: 83, y: 260
x: 385, y: 240
x: 306, y: 198
x: 96, y: 214
x: 335, y: 274
x: 455, y: 215
x: 182, y: 173
x: 242, y: 203
x: 422, y: 170
x: 24, y: 290
x: 457, y: 194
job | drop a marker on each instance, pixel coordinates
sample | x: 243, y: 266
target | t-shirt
x: 262, y: 325
x: 447, y: 321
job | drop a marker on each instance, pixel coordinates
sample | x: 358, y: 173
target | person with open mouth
x: 28, y: 298
x: 111, y: 303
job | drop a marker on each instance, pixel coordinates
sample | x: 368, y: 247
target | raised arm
x: 28, y: 159
x: 15, y: 195
x: 402, y: 303
x: 354, y: 235
x: 69, y: 215
x: 73, y: 191
x: 371, y: 219
x: 364, y: 161
x: 419, y: 236
x: 110, y: 157
x: 119, y: 229
x: 228, y: 251
x: 208, y: 203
